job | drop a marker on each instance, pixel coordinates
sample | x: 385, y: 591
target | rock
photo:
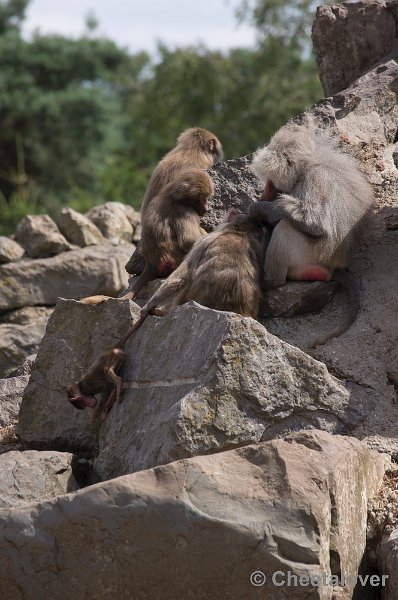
x: 296, y: 505
x: 235, y: 187
x: 206, y: 381
x: 21, y: 332
x: 133, y: 216
x: 26, y: 367
x: 349, y: 38
x: 115, y: 221
x: 137, y: 234
x: 11, y: 392
x: 76, y: 334
x: 8, y: 439
x: 388, y: 564
x: 31, y: 476
x: 40, y: 236
x: 146, y: 292
x: 391, y: 222
x: 76, y: 274
x: 10, y: 251
x: 297, y: 298
x: 392, y: 373
x: 79, y: 230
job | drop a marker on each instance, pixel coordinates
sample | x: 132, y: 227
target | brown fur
x: 100, y: 378
x: 171, y: 225
x: 196, y: 148
x: 221, y: 271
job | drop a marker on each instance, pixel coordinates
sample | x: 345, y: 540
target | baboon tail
x: 345, y: 279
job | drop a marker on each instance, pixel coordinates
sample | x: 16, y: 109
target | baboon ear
x: 213, y: 145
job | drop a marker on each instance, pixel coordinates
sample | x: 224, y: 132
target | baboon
x: 197, y: 148
x: 102, y: 378
x: 222, y: 271
x: 319, y: 204
x: 171, y: 225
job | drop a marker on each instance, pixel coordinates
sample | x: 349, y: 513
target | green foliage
x: 15, y: 207
x: 61, y: 98
x: 83, y: 122
x: 12, y: 13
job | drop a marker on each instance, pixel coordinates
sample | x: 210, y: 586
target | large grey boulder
x: 349, y: 38
x: 195, y: 381
x: 31, y: 476
x: 76, y: 334
x: 10, y: 250
x: 78, y: 229
x: 198, y: 381
x: 21, y: 332
x: 76, y: 274
x: 40, y: 236
x: 115, y: 220
x: 11, y: 392
x: 201, y: 528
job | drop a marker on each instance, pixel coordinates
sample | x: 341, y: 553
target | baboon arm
x: 294, y: 210
x: 187, y: 234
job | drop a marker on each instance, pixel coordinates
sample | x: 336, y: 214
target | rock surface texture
x: 195, y: 381
x: 79, y: 230
x: 11, y: 392
x: 75, y: 274
x: 21, y: 332
x: 10, y: 250
x: 40, y: 236
x: 199, y: 528
x: 116, y: 221
x: 76, y: 335
x: 351, y: 37
x: 31, y: 476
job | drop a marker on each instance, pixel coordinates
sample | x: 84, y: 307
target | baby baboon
x: 100, y: 378
x: 221, y: 271
x: 318, y: 202
x: 197, y: 148
x: 171, y: 225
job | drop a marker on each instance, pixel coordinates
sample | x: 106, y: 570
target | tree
x: 60, y: 109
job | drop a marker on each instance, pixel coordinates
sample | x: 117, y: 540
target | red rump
x: 315, y: 273
x: 165, y: 267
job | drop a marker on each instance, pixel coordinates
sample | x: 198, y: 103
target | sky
x: 138, y: 24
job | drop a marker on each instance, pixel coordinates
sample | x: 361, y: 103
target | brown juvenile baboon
x: 197, y: 148
x: 221, y: 271
x: 318, y: 202
x: 102, y: 378
x: 171, y: 225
